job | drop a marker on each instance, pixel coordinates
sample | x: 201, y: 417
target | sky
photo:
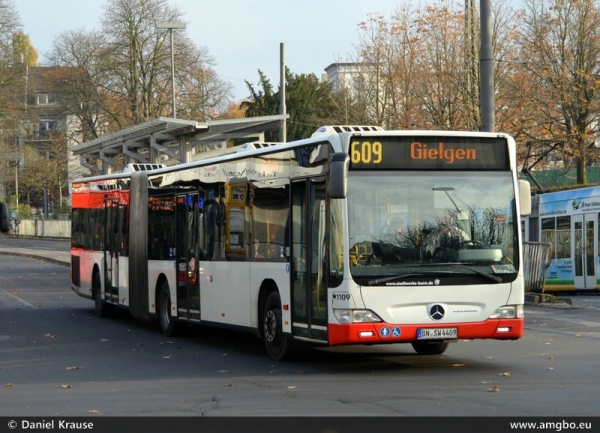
x: 242, y: 36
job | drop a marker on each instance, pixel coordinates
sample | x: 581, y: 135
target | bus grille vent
x: 129, y: 168
x: 255, y: 145
x: 324, y: 130
x: 75, y: 271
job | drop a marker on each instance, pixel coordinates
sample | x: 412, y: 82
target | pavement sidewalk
x: 58, y: 257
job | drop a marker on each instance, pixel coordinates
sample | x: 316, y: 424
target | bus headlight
x: 508, y: 312
x: 355, y: 316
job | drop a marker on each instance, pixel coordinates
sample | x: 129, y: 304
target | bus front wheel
x: 276, y: 343
x: 424, y: 348
x: 167, y: 325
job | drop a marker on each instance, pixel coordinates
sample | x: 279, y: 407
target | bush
x: 65, y: 209
x: 24, y: 211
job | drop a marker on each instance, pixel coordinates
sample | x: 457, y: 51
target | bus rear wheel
x: 277, y: 344
x: 100, y: 306
x: 167, y: 325
x: 425, y: 348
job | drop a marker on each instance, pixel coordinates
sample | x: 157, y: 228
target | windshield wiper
x: 477, y: 271
x: 483, y: 274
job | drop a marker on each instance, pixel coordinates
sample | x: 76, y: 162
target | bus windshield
x: 457, y: 228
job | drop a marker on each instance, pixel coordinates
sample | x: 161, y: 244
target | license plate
x: 437, y: 333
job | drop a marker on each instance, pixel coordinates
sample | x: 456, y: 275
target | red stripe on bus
x: 358, y: 333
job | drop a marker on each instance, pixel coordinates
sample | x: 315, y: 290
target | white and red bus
x: 354, y: 236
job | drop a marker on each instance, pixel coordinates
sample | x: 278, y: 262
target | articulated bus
x: 569, y: 221
x: 297, y: 242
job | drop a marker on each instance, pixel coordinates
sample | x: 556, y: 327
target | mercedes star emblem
x: 437, y: 312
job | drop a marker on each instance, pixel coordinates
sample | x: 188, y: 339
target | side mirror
x: 525, y: 197
x: 338, y: 175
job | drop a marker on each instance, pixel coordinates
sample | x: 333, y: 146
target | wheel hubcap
x: 270, y: 326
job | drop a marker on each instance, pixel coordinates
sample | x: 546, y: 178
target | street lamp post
x: 17, y: 182
x: 170, y: 26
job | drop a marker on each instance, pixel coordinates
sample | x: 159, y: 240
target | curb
x: 545, y: 299
x: 33, y: 256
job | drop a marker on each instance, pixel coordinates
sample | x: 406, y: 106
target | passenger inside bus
x: 272, y: 251
x: 257, y: 253
x: 395, y: 227
x: 446, y: 245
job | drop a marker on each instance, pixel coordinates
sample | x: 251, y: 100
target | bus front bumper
x: 385, y: 333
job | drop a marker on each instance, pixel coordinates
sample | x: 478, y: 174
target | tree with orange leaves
x: 560, y: 52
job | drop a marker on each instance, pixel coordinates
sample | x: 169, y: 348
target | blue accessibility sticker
x: 396, y: 332
x: 384, y: 332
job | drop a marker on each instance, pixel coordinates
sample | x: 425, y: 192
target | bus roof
x: 332, y: 134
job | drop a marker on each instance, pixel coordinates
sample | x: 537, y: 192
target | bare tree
x: 389, y: 54
x: 120, y: 75
x: 9, y: 25
x: 140, y: 62
x: 443, y: 67
x: 421, y: 66
x: 560, y: 43
x: 12, y: 100
x: 80, y: 78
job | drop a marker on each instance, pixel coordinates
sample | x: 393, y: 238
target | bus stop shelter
x: 168, y: 141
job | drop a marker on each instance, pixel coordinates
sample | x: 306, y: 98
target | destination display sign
x: 428, y: 153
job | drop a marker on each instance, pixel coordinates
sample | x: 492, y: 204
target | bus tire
x: 167, y: 325
x: 425, y: 348
x: 100, y: 306
x: 277, y: 344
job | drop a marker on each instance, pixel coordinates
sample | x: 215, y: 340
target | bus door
x: 584, y: 250
x: 308, y: 259
x: 112, y: 249
x: 186, y: 256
